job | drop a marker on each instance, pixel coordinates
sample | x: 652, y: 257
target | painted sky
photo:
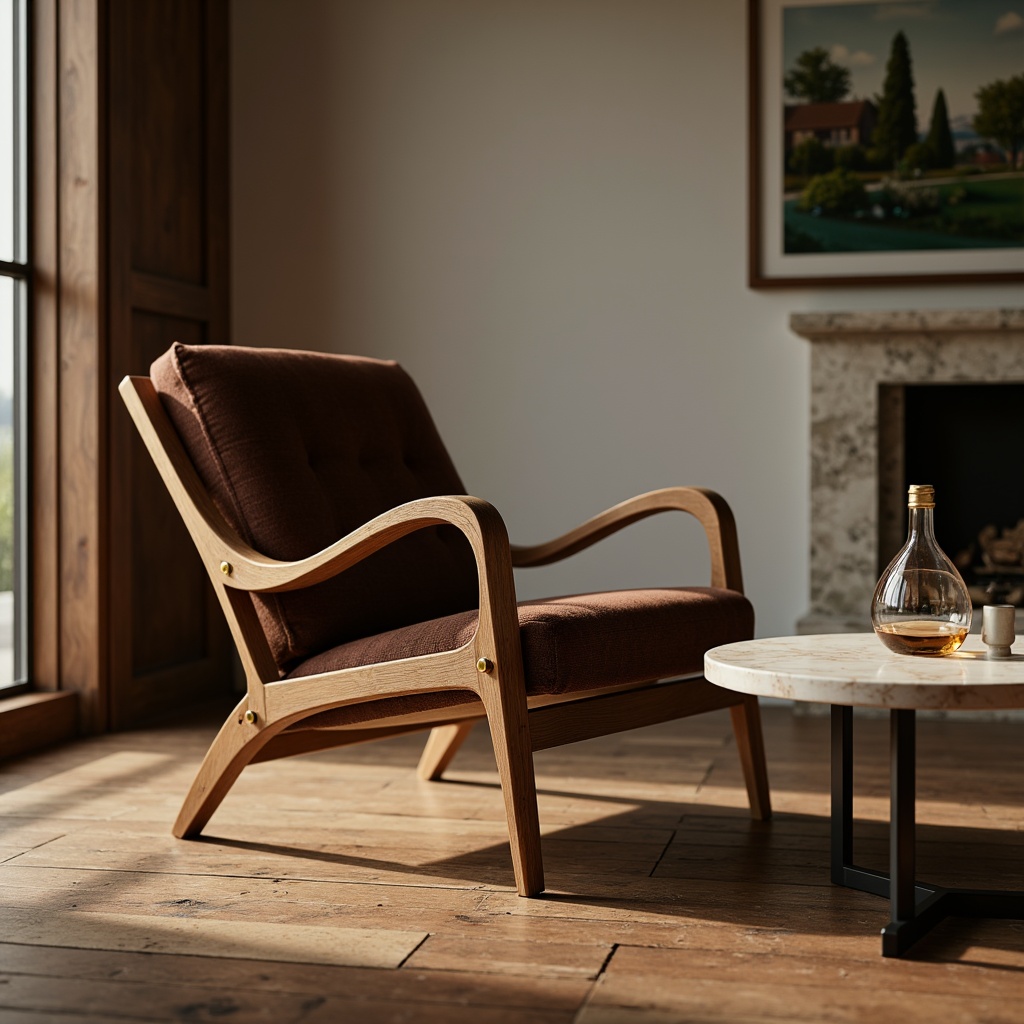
x: 955, y: 45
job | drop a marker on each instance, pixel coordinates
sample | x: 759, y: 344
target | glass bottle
x: 921, y: 604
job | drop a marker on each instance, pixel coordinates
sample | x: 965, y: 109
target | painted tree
x: 896, y: 129
x: 1001, y: 114
x: 940, y: 137
x: 816, y: 78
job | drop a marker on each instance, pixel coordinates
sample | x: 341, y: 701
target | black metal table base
x: 916, y: 906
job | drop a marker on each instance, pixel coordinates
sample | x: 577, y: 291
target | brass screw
x: 225, y: 567
x: 250, y: 717
x: 484, y: 665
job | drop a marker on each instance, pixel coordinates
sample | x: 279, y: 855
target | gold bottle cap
x: 921, y: 496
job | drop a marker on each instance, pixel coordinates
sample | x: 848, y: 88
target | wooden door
x: 167, y: 174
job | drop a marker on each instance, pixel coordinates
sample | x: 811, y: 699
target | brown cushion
x: 300, y: 448
x: 580, y: 642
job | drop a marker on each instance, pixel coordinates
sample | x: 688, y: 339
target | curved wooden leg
x: 746, y: 726
x: 442, y: 745
x: 232, y: 749
x: 510, y: 734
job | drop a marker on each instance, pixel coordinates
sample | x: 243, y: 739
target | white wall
x: 538, y: 207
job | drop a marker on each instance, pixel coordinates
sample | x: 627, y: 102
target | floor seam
x: 596, y: 982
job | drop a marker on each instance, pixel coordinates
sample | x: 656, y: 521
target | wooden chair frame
x: 489, y: 666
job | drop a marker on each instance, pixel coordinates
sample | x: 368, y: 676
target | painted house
x: 832, y: 124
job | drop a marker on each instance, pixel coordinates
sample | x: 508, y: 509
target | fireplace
x: 872, y: 374
x: 968, y: 441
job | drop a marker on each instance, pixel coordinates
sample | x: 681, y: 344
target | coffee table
x: 848, y: 670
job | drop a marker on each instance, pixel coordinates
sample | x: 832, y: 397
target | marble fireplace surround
x: 852, y: 354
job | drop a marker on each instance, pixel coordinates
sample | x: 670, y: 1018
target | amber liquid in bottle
x: 921, y: 637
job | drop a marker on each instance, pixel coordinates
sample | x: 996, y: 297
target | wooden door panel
x: 168, y: 282
x: 166, y: 112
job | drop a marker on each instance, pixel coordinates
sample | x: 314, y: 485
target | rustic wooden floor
x: 338, y: 887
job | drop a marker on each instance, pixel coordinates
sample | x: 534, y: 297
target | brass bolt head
x: 226, y: 568
x: 484, y: 665
x: 250, y: 717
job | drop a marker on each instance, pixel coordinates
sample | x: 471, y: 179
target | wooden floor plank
x: 89, y: 1000
x: 104, y: 1000
x: 203, y: 936
x: 746, y: 986
x: 561, y: 994
x: 666, y: 902
x: 527, y: 955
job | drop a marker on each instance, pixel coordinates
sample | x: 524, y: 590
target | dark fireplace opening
x: 968, y: 441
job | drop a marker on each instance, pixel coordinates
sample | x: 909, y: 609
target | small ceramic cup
x: 997, y: 629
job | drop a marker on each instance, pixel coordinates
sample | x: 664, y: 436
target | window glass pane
x: 7, y: 127
x: 8, y: 332
x: 13, y: 340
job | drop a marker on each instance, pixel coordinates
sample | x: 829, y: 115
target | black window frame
x: 19, y: 270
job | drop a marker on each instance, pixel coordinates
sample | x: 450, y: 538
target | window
x: 14, y: 305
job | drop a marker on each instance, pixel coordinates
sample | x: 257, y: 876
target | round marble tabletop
x: 856, y: 669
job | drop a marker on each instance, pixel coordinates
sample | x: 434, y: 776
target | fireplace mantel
x: 881, y: 326
x: 852, y: 354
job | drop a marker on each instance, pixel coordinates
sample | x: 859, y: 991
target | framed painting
x: 886, y: 142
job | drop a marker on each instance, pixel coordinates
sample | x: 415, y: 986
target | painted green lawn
x: 989, y: 216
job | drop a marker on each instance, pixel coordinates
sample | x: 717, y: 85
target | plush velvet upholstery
x: 300, y: 448
x: 581, y: 642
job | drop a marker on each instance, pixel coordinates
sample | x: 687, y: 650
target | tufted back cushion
x: 299, y: 448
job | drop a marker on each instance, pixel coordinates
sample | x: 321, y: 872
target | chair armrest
x: 710, y: 508
x: 474, y: 517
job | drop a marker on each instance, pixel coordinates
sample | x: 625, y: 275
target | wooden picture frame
x: 769, y: 264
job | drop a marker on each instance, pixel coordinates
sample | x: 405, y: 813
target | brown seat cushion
x: 298, y: 449
x: 580, y: 642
